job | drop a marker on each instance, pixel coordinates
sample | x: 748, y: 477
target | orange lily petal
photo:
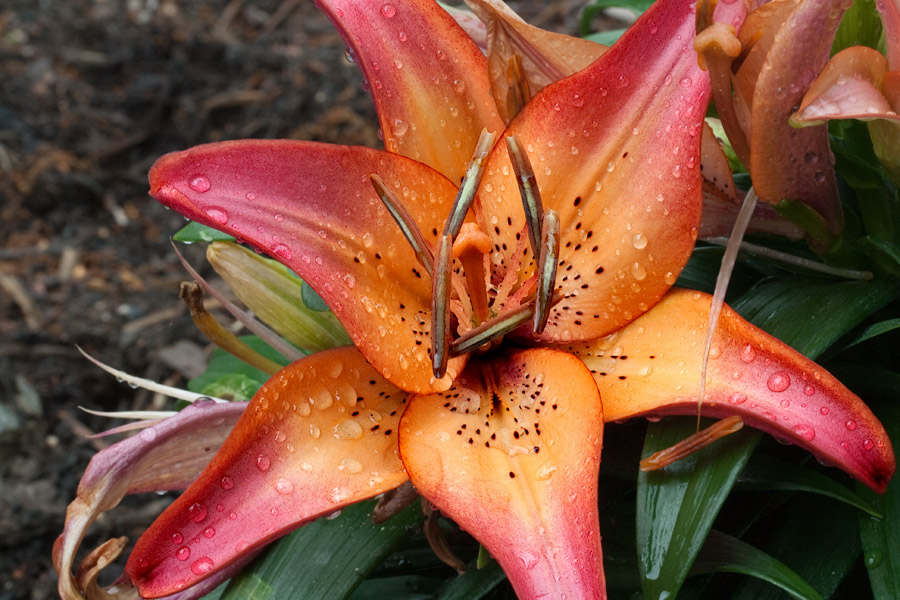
x: 848, y: 88
x: 311, y: 206
x: 786, y: 162
x: 615, y: 150
x: 319, y: 435
x: 546, y: 56
x: 427, y: 77
x: 890, y: 19
x: 652, y: 367
x: 511, y: 453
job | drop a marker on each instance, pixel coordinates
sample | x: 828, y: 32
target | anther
x: 470, y: 182
x: 546, y: 269
x: 528, y: 189
x: 440, y: 310
x: 691, y: 444
x: 405, y: 221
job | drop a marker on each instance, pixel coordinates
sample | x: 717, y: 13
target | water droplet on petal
x: 348, y: 430
x: 202, y: 566
x: 850, y: 425
x: 639, y: 241
x: 197, y: 512
x: 227, y: 483
x: 778, y: 382
x: 388, y: 11
x: 737, y: 399
x: 282, y: 251
x: 183, y: 553
x: 177, y: 537
x: 199, y: 183
x: 263, y: 463
x: 217, y: 214
x: 804, y: 431
x: 748, y: 354
x: 284, y: 486
x: 209, y: 532
x: 350, y: 465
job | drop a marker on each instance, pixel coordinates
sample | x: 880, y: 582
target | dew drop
x: 873, y: 558
x: 199, y: 183
x: 209, y: 532
x: 778, y: 382
x: 748, y: 354
x: 217, y: 214
x: 686, y: 82
x: 850, y: 425
x: 177, y: 537
x: 399, y: 127
x: 577, y: 100
x: 669, y: 278
x: 322, y: 399
x: 226, y: 482
x: 737, y: 399
x: 282, y: 251
x: 148, y: 435
x: 183, y: 553
x: 804, y: 431
x: 348, y: 430
x: 314, y: 431
x: 263, y: 463
x: 284, y: 487
x: 202, y: 566
x: 388, y: 11
x: 824, y: 411
x: 639, y: 241
x: 638, y: 271
x: 350, y: 465
x: 197, y: 512
x: 809, y: 390
x: 868, y: 444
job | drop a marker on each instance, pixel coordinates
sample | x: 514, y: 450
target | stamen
x: 546, y: 269
x: 489, y: 330
x: 192, y: 295
x: 691, y: 444
x: 528, y: 189
x: 440, y: 310
x: 470, y: 183
x: 405, y: 221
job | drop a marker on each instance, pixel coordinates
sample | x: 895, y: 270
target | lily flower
x: 861, y: 83
x: 502, y: 309
x: 761, y: 64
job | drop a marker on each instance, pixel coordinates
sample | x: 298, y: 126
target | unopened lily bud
x: 273, y: 292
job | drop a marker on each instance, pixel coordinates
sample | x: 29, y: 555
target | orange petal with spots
x: 546, y: 56
x: 427, y: 77
x: 616, y: 152
x: 652, y: 367
x: 511, y: 453
x: 312, y: 207
x: 319, y: 435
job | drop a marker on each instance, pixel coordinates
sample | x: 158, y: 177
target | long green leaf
x: 676, y: 506
x: 881, y: 537
x: 325, y: 560
x: 816, y: 537
x: 772, y: 473
x: 475, y: 583
x: 725, y: 554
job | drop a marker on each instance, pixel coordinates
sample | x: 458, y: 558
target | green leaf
x: 400, y: 587
x: 195, y: 232
x: 811, y: 314
x: 881, y: 537
x: 676, y: 506
x: 815, y: 537
x: 607, y: 38
x: 597, y: 7
x: 872, y: 331
x: 324, y: 560
x: 475, y: 583
x: 725, y: 554
x: 771, y: 473
x: 229, y: 377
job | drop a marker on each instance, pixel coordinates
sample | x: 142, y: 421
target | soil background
x: 91, y: 93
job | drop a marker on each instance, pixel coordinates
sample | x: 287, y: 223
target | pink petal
x: 652, y: 368
x: 167, y: 456
x: 312, y: 207
x: 427, y: 77
x: 616, y: 152
x: 319, y: 435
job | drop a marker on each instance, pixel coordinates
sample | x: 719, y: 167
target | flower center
x: 483, y: 315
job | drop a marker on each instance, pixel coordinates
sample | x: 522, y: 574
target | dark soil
x: 93, y: 91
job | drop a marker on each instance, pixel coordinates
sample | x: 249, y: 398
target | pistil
x: 470, y: 248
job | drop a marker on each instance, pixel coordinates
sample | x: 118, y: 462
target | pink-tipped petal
x: 511, y: 453
x: 890, y: 19
x: 546, y: 56
x: 616, y: 152
x: 166, y: 456
x: 652, y: 368
x: 848, y: 88
x: 427, y: 77
x: 312, y: 207
x: 319, y: 435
